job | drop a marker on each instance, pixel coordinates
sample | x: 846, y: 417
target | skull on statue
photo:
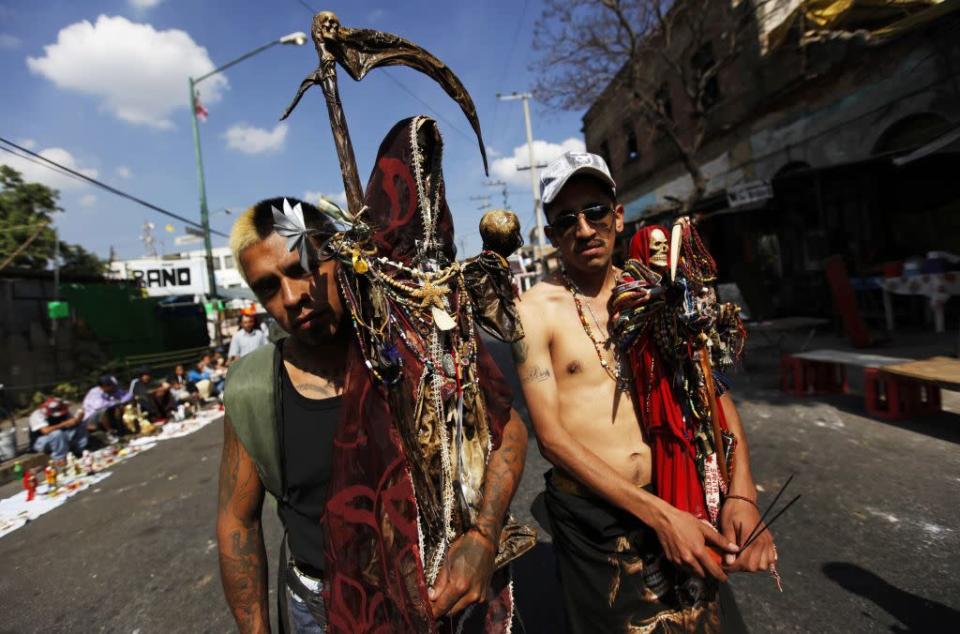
x: 659, y: 248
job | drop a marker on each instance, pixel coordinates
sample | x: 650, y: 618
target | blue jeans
x: 301, y: 620
x: 58, y: 442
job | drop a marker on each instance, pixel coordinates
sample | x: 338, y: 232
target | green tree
x: 26, y: 232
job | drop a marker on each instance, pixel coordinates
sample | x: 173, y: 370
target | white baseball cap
x: 558, y: 172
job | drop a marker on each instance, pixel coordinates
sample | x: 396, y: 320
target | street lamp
x: 296, y: 39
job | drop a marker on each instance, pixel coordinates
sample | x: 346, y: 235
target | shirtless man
x: 626, y: 557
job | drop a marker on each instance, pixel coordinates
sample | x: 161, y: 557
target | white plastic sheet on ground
x: 15, y: 511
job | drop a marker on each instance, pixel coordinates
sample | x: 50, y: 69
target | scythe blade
x: 359, y: 51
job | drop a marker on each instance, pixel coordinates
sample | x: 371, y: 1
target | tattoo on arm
x: 501, y: 479
x: 229, y: 467
x: 243, y: 559
x: 536, y: 374
x: 520, y: 351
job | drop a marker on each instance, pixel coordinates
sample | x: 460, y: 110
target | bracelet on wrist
x: 745, y: 499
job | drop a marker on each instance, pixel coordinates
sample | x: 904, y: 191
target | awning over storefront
x: 948, y: 142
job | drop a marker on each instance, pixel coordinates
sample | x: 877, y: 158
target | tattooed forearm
x: 243, y: 569
x: 502, y: 478
x: 243, y: 560
x: 536, y: 374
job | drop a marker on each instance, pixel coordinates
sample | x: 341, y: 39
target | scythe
x: 359, y: 51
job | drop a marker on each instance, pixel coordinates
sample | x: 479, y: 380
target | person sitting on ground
x: 201, y: 376
x: 102, y: 405
x: 182, y: 389
x: 54, y: 431
x: 156, y: 402
x: 247, y: 339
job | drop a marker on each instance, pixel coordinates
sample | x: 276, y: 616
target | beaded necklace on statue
x: 614, y: 372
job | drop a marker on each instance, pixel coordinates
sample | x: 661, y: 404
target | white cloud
x: 36, y: 173
x: 492, y: 152
x: 505, y: 168
x: 143, y: 5
x: 27, y: 143
x: 253, y: 140
x: 9, y: 42
x: 312, y: 197
x: 140, y: 74
x: 123, y: 172
x: 88, y: 200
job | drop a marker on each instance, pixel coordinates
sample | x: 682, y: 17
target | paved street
x: 873, y: 545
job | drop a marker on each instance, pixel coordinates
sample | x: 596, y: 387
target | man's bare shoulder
x: 543, y: 295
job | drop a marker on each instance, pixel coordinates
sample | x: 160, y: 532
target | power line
x: 53, y: 165
x: 506, y: 64
x: 40, y: 163
x: 428, y: 107
x: 410, y: 92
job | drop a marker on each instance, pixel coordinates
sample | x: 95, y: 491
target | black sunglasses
x: 594, y: 214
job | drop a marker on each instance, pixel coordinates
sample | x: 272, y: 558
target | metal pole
x: 297, y: 39
x: 56, y: 265
x: 56, y: 290
x: 534, y: 185
x: 534, y: 182
x: 204, y: 213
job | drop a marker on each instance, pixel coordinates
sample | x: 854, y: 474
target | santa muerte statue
x: 678, y: 338
x: 424, y: 404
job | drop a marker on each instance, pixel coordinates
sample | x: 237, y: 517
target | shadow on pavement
x: 916, y: 613
x: 942, y: 425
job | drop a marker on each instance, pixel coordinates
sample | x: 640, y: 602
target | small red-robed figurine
x: 30, y: 484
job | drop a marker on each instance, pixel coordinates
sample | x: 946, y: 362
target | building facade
x: 832, y: 132
x: 184, y: 273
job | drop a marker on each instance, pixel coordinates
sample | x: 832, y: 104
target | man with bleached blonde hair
x: 282, y: 405
x: 283, y: 409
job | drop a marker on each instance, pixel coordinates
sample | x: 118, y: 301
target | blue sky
x: 102, y: 86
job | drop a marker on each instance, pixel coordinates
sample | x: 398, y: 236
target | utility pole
x: 56, y: 290
x: 503, y: 191
x: 295, y: 39
x: 525, y: 97
x: 485, y: 204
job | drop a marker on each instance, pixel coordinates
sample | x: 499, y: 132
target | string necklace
x: 614, y: 372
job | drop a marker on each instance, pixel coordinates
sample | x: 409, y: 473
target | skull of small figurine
x: 325, y: 26
x: 658, y: 249
x: 500, y: 230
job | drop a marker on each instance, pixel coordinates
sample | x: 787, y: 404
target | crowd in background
x: 110, y: 410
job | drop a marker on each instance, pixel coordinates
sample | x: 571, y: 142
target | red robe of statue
x: 669, y: 435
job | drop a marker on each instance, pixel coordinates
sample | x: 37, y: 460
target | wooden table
x: 944, y: 372
x: 911, y: 389
x: 825, y: 371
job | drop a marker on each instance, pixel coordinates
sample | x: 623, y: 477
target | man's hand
x: 687, y: 542
x: 464, y: 577
x: 737, y: 519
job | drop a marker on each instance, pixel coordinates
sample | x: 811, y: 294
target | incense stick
x: 772, y: 520
x: 769, y: 508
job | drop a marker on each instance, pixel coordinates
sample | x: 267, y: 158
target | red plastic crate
x: 801, y: 377
x: 894, y: 397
